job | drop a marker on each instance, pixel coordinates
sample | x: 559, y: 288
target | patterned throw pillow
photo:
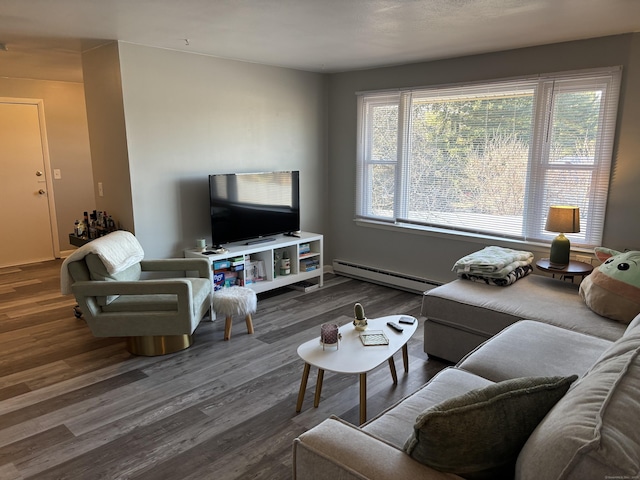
x: 479, y: 434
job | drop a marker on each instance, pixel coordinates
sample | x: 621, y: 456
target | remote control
x: 395, y: 326
x: 408, y: 320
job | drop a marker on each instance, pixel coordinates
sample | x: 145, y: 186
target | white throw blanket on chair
x: 118, y: 251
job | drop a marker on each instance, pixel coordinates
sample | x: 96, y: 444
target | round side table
x: 573, y: 269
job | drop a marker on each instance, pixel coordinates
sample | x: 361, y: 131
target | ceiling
x: 44, y: 38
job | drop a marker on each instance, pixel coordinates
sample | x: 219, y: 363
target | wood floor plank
x: 70, y: 398
x: 73, y: 406
x: 10, y: 472
x: 226, y: 453
x: 13, y: 391
x: 126, y: 454
x: 16, y: 451
x: 36, y: 374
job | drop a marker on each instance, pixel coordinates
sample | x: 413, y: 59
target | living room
x: 160, y: 121
x: 138, y: 133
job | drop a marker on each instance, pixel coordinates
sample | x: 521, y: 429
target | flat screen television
x: 253, y: 206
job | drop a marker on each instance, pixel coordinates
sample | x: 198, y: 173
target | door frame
x: 53, y: 219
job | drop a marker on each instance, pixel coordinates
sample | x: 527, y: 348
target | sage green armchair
x: 158, y: 315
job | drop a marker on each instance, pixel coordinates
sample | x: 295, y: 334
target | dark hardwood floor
x: 73, y: 406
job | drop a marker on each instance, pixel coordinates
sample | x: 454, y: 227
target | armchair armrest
x: 87, y: 291
x: 200, y: 265
x: 335, y: 449
x: 142, y: 308
x: 93, y: 288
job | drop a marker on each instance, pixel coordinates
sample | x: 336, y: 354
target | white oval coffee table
x: 352, y: 356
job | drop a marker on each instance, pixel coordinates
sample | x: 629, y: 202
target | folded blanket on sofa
x: 503, y: 272
x: 512, y: 277
x: 493, y: 261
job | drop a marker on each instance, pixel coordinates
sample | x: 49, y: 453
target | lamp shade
x: 563, y: 219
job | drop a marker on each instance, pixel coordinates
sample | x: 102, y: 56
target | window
x: 489, y: 158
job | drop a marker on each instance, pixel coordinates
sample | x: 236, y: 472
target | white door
x: 27, y: 233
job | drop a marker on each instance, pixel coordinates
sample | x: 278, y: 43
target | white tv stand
x: 267, y: 251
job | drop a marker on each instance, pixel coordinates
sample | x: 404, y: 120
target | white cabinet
x: 258, y: 265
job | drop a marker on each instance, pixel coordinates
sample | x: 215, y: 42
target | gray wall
x: 68, y: 139
x: 105, y: 113
x: 188, y: 116
x: 161, y: 121
x: 431, y: 256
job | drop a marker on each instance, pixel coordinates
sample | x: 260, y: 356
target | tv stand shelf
x: 306, y: 265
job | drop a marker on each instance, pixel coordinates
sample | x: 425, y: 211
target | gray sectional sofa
x: 592, y: 432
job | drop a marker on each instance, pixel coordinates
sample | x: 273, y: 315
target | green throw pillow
x: 480, y: 434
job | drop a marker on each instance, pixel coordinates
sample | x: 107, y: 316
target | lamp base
x: 559, y: 255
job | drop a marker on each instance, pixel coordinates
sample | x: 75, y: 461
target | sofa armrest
x: 336, y: 450
x: 200, y: 265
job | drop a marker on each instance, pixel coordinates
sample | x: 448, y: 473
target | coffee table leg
x: 392, y: 367
x: 316, y: 400
x: 363, y: 398
x: 405, y: 358
x: 303, y: 387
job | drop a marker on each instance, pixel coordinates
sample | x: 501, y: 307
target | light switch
x: 100, y: 191
x: 57, y: 174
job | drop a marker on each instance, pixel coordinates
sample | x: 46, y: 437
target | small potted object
x: 329, y: 335
x: 360, y: 321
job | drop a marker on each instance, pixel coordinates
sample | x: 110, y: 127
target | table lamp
x: 562, y: 219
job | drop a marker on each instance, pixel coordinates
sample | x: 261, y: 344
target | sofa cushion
x: 395, y: 423
x: 593, y: 432
x: 462, y: 314
x: 534, y: 297
x: 517, y: 352
x: 98, y: 272
x: 338, y: 450
x: 479, y: 434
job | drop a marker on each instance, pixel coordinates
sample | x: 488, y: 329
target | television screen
x: 249, y: 206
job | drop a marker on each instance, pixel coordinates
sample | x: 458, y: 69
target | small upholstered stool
x: 232, y: 301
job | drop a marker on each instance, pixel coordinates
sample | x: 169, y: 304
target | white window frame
x: 546, y: 87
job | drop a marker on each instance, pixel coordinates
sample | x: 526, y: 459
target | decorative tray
x: 374, y: 337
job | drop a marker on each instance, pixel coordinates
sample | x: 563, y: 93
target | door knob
x: 41, y: 192
x: 39, y: 173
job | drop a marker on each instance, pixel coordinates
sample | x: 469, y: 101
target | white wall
x: 432, y: 257
x: 188, y: 116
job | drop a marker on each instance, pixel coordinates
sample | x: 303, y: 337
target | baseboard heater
x: 383, y: 277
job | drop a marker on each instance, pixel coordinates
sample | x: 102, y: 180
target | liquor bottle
x: 92, y: 225
x: 86, y: 225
